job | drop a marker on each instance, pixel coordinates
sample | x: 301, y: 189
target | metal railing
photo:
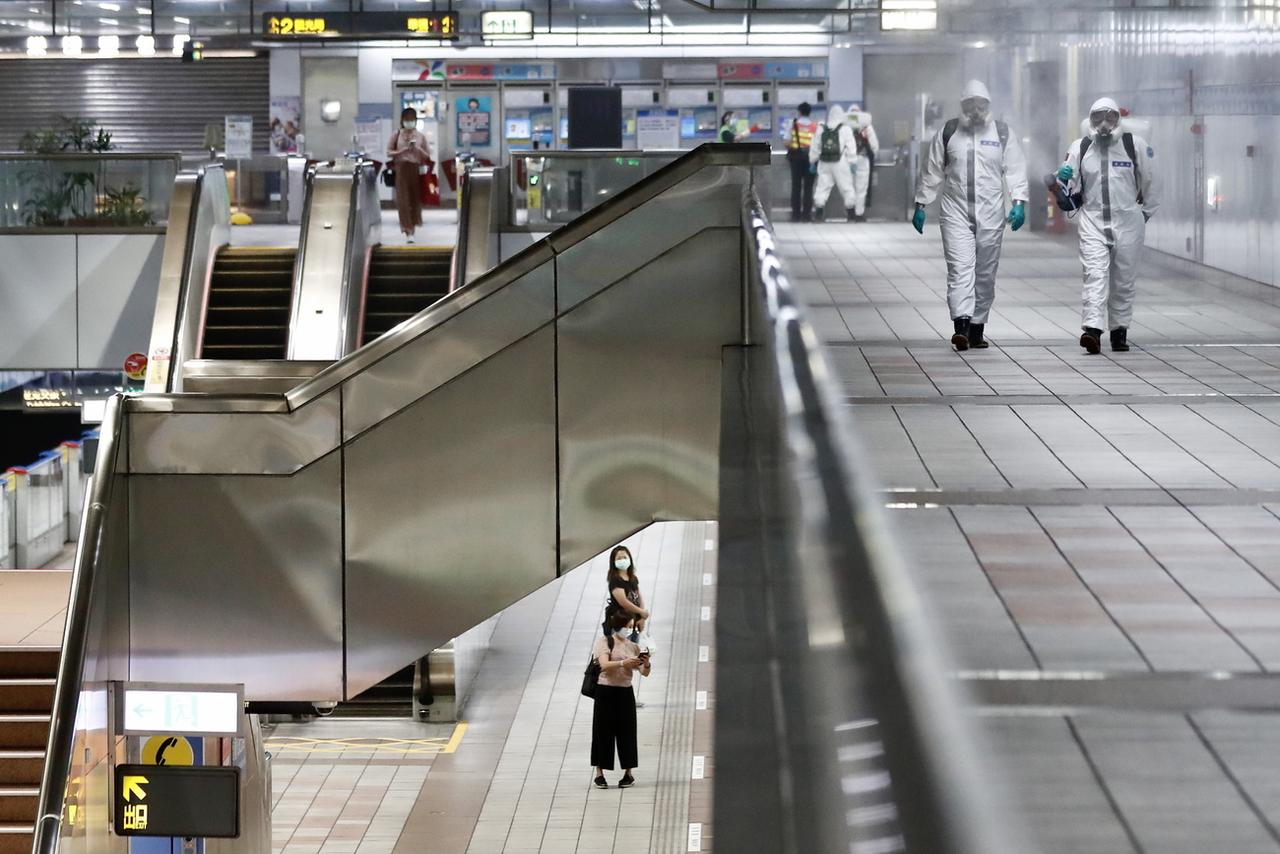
x: 865, y: 731
x: 75, y: 636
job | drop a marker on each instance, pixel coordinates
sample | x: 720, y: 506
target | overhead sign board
x: 513, y: 24
x: 908, y: 14
x: 151, y: 709
x: 435, y: 25
x: 170, y: 800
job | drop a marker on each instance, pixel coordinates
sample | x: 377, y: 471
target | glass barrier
x: 261, y: 187
x: 79, y: 192
x: 551, y: 188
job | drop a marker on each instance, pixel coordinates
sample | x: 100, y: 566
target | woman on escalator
x: 407, y: 153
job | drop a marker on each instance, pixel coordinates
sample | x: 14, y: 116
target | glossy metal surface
x: 464, y: 340
x: 639, y: 389
x: 96, y: 626
x: 341, y: 224
x: 704, y: 200
x: 199, y: 225
x: 480, y: 220
x: 230, y: 376
x: 262, y: 559
x: 222, y: 443
x: 475, y: 460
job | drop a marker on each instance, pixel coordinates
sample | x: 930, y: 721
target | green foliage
x: 125, y: 206
x: 60, y: 198
x: 69, y: 133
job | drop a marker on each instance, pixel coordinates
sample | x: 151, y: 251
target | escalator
x: 402, y: 281
x: 26, y: 698
x: 249, y: 297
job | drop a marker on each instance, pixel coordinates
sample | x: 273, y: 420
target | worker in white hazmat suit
x: 972, y: 158
x: 867, y: 147
x: 830, y: 153
x: 1111, y: 172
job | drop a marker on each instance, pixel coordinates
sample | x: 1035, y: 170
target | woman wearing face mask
x: 407, y: 152
x: 624, y: 587
x: 613, y: 721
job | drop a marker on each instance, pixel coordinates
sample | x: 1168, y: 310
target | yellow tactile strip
x: 297, y: 744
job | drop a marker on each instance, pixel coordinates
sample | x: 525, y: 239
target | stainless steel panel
x: 233, y: 443
x: 708, y: 198
x: 37, y: 301
x: 239, y: 579
x: 639, y: 394
x: 475, y: 460
x: 460, y: 343
x: 119, y: 275
x: 199, y: 225
x: 231, y: 376
x: 316, y: 328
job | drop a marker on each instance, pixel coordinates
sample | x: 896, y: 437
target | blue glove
x: 813, y: 168
x: 1018, y: 215
x: 1065, y: 173
x: 918, y: 220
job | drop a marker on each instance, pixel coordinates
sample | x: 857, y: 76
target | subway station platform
x: 1096, y: 535
x: 516, y: 776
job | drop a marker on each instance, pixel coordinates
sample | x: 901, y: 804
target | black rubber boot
x: 976, y: 341
x: 1091, y: 340
x: 852, y: 217
x: 1120, y: 340
x: 961, y: 339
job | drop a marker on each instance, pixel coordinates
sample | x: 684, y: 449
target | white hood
x: 975, y: 89
x: 835, y: 117
x: 1104, y: 104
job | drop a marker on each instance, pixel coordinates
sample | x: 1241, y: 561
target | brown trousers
x: 408, y: 196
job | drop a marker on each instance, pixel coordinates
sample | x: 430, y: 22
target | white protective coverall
x: 1112, y: 223
x: 973, y: 171
x: 838, y: 173
x: 860, y: 122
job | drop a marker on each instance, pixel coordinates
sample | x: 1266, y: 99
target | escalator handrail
x: 75, y: 634
x: 940, y: 791
x: 353, y: 287
x: 558, y: 242
x: 534, y: 256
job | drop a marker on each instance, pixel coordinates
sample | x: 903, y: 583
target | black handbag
x: 591, y: 678
x: 389, y: 175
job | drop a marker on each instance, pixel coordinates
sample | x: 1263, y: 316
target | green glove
x: 1065, y: 173
x: 918, y: 220
x: 1017, y: 215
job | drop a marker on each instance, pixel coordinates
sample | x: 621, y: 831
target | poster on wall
x: 369, y: 136
x: 474, y: 121
x: 238, y: 137
x: 658, y: 129
x: 285, y: 123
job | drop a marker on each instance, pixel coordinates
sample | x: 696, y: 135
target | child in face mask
x: 624, y: 587
x: 613, y: 721
x: 407, y: 152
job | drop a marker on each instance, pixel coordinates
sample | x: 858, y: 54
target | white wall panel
x: 119, y: 276
x: 37, y: 301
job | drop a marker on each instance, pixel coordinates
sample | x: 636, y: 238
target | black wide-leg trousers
x: 614, y: 724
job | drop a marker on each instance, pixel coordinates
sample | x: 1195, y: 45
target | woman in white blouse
x: 407, y: 152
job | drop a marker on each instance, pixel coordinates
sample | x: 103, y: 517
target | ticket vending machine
x: 634, y: 100
x: 752, y: 106
x: 699, y: 107
x: 528, y: 118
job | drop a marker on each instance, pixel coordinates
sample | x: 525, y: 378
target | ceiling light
x: 37, y: 45
x: 978, y: 45
x: 146, y: 45
x: 108, y: 45
x: 72, y: 45
x: 110, y: 7
x: 143, y: 10
x: 179, y: 42
x: 180, y: 20
x: 110, y: 22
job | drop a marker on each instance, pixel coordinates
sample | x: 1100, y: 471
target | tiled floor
x: 517, y: 779
x: 1106, y: 515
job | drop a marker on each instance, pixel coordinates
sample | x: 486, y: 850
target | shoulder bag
x: 591, y: 676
